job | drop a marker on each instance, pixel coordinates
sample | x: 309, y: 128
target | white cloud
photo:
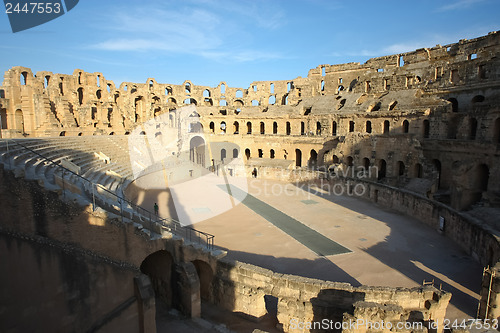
x: 195, y: 30
x: 458, y: 5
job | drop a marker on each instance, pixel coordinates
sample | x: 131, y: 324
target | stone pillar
x: 146, y: 304
x: 187, y: 289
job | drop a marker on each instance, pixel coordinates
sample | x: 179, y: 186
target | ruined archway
x: 205, y: 275
x: 158, y: 266
x: 197, y: 150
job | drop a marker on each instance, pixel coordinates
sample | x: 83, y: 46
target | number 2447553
x: 33, y: 8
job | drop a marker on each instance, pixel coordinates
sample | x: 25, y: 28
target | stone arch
x: 249, y: 127
x: 238, y: 103
x: 288, y: 128
x: 426, y: 129
x: 223, y: 154
x: 19, y: 117
x: 334, y: 128
x: 236, y: 127
x: 197, y: 149
x: 235, y: 152
x: 271, y: 153
x: 387, y: 126
x: 401, y: 168
x: 472, y: 129
x: 437, y: 167
x: 418, y: 170
x: 313, y: 158
x: 496, y: 131
x: 247, y: 153
x: 3, y: 118
x: 454, y: 104
x: 382, y: 169
x: 211, y: 126
x: 158, y: 266
x: 349, y: 161
x: 477, y: 99
x: 262, y: 128
x: 80, y: 95
x: 366, y: 164
x: 206, y: 276
x: 275, y: 128
x: 368, y: 126
x: 406, y: 126
x: 298, y: 158
x: 63, y: 133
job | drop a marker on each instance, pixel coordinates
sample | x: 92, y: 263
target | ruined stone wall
x: 245, y: 288
x: 87, y: 261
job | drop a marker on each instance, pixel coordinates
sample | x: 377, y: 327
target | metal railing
x: 134, y: 212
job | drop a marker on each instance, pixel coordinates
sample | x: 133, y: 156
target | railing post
x: 93, y: 197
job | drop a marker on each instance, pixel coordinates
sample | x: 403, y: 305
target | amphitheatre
x: 360, y: 192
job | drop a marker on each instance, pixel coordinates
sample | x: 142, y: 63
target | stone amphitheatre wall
x: 74, y: 268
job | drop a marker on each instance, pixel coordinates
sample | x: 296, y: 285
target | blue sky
x: 238, y: 41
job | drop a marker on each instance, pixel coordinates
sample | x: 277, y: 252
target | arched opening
x: 382, y: 169
x: 80, y: 95
x: 386, y: 126
x: 349, y: 161
x: 496, y: 131
x: 98, y: 94
x: 211, y: 126
x: 23, y: 78
x: 222, y: 102
x: 3, y: 118
x: 366, y: 164
x: 271, y: 153
x: 239, y: 94
x: 63, y: 133
x: 272, y: 100
x: 197, y: 150
x: 401, y: 168
x: 289, y: 128
x: 80, y: 134
x: 222, y: 154
x: 249, y: 128
x: 223, y: 127
x: 418, y: 171
x: 262, y: 128
x: 255, y: 102
x: 478, y: 99
x: 236, y: 127
x: 206, y: 93
x: 318, y: 128
x: 302, y: 128
x: 313, y: 159
x: 298, y: 158
x: 368, y: 126
x: 235, y: 153
x: 187, y: 88
x: 406, y: 126
x: 322, y: 85
x: 334, y: 128
x: 247, y: 153
x: 426, y: 130
x: 437, y: 168
x: 205, y: 275
x: 222, y: 88
x: 473, y: 129
x: 335, y: 159
x: 482, y: 177
x: 46, y: 81
x: 158, y: 266
x: 112, y: 133
x: 454, y: 104
x: 275, y: 128
x: 351, y: 126
x: 261, y: 153
x: 19, y: 117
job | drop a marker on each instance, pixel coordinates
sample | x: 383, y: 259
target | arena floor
x: 288, y: 229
